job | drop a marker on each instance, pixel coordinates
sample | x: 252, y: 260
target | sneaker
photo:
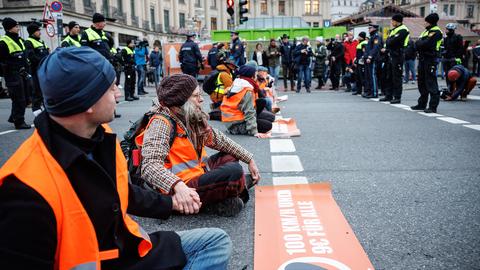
x: 430, y: 110
x: 135, y: 97
x: 230, y: 207
x: 417, y: 108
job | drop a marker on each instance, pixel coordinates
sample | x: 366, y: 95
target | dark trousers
x: 37, y: 97
x: 130, y: 79
x: 393, y: 83
x: 335, y: 71
x: 359, y: 79
x: 224, y: 179
x: 18, y: 92
x: 264, y: 117
x: 118, y: 74
x: 371, y: 86
x: 427, y: 83
x: 287, y: 71
x: 190, y: 69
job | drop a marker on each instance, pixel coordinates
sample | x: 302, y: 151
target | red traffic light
x: 230, y: 3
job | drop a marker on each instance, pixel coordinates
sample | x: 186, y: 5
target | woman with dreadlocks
x: 174, y: 160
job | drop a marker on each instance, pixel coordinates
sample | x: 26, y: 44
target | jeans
x: 274, y: 71
x: 158, y: 73
x: 141, y: 78
x: 304, y: 73
x: 206, y: 248
x: 410, y: 69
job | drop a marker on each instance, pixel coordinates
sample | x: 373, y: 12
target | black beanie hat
x: 97, y: 17
x: 72, y: 24
x: 363, y: 35
x: 398, y: 18
x: 432, y: 18
x: 32, y: 28
x: 175, y: 90
x: 247, y: 71
x: 8, y: 23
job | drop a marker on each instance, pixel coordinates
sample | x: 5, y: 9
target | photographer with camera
x: 141, y: 55
x: 14, y: 67
x: 302, y: 57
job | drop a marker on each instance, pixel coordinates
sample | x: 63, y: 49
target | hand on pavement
x: 252, y: 167
x: 186, y: 199
x: 263, y: 135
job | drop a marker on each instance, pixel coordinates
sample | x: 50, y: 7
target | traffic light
x: 243, y: 10
x: 230, y: 10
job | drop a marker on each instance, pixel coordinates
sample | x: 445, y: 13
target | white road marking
x: 401, y: 106
x: 281, y: 146
x: 476, y: 127
x: 430, y: 114
x: 289, y: 180
x: 8, y: 131
x: 286, y: 164
x: 473, y: 97
x: 385, y: 102
x: 408, y: 109
x: 453, y: 120
x: 375, y: 99
x: 279, y: 128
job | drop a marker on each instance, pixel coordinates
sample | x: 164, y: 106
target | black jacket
x: 237, y: 51
x: 212, y: 57
x: 128, y: 60
x: 410, y: 52
x: 427, y: 46
x: 35, y: 55
x: 11, y: 65
x: 264, y: 58
x: 395, y: 43
x: 286, y: 49
x: 190, y: 53
x: 102, y: 47
x: 453, y: 45
x: 375, y: 43
x: 89, y: 164
x: 337, y: 50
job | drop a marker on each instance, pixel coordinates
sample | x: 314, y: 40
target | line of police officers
x: 20, y: 59
x: 386, y: 59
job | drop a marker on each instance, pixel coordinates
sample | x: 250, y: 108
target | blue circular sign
x: 56, y: 6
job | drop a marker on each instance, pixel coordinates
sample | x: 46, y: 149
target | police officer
x: 237, y: 50
x: 96, y: 38
x: 359, y: 64
x: 128, y: 61
x: 72, y: 39
x: 36, y: 50
x: 190, y: 56
x: 14, y: 67
x: 394, y: 46
x: 428, y: 47
x: 372, y: 58
x: 453, y: 48
x: 212, y: 56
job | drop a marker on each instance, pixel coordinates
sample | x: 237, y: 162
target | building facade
x: 344, y: 8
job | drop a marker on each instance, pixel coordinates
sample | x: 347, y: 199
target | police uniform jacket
x: 190, y: 53
x: 237, y: 51
x: 395, y: 44
x: 35, y: 55
x: 428, y: 45
x: 11, y: 64
x: 375, y: 43
x: 286, y: 49
x: 103, y: 45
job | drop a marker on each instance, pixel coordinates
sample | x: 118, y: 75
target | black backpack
x: 128, y: 144
x: 210, y: 82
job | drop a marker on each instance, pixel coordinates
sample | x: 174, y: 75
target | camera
x: 142, y: 44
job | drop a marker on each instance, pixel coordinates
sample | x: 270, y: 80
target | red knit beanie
x: 175, y: 90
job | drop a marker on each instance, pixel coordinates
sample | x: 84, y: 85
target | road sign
x: 433, y: 8
x: 50, y: 29
x: 56, y: 6
x: 47, y: 14
x: 327, y: 23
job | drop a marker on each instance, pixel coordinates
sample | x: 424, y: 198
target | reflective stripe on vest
x: 182, y: 159
x: 77, y: 244
x: 397, y: 29
x: 427, y: 32
x: 361, y: 44
x: 72, y: 42
x: 229, y: 108
x: 113, y: 50
x: 37, y: 44
x: 94, y: 36
x: 220, y: 89
x: 129, y: 51
x: 13, y: 46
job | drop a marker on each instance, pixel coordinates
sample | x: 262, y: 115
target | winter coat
x: 320, y: 58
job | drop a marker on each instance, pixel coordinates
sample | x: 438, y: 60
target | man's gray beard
x: 192, y: 113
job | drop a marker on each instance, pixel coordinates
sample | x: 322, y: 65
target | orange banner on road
x: 285, y: 127
x: 300, y: 227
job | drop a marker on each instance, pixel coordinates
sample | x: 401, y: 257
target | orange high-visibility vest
x: 182, y: 160
x: 77, y: 245
x: 229, y: 107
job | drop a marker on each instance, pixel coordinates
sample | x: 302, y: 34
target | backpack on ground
x: 210, y: 82
x: 132, y: 151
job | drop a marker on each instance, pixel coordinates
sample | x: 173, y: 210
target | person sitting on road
x: 242, y: 111
x: 225, y: 67
x: 266, y: 84
x: 65, y: 198
x: 461, y: 82
x: 181, y: 167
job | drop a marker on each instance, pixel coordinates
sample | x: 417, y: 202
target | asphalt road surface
x: 408, y: 184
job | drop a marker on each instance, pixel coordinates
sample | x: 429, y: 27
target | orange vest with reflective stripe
x: 229, y: 108
x: 182, y: 160
x: 77, y: 245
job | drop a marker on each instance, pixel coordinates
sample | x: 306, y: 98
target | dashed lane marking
x: 289, y: 180
x: 473, y: 97
x: 430, y: 114
x: 7, y: 131
x: 282, y: 146
x: 286, y: 164
x: 401, y: 106
x: 476, y: 127
x: 453, y: 120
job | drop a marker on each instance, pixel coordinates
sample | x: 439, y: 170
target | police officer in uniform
x: 36, y: 50
x: 237, y: 50
x: 453, y: 45
x: 394, y: 45
x: 96, y: 38
x: 372, y: 58
x: 428, y: 47
x: 72, y: 39
x: 359, y: 64
x: 14, y: 67
x: 212, y: 56
x: 190, y: 56
x: 128, y: 61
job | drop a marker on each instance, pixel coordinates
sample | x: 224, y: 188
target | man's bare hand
x: 187, y: 199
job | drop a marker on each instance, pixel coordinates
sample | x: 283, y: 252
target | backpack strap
x: 167, y: 119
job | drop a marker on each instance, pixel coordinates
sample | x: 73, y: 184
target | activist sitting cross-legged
x: 181, y: 167
x: 65, y: 197
x: 243, y: 111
